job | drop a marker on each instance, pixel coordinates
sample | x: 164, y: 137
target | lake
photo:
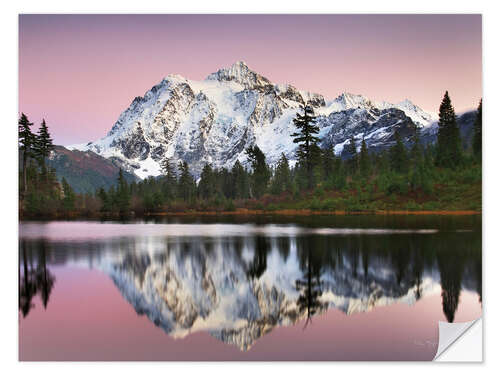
x: 246, y: 288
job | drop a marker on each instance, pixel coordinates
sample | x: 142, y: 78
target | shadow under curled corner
x: 460, y: 342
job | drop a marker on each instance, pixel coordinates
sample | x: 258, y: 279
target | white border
x: 9, y: 314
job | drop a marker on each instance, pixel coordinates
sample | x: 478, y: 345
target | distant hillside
x: 85, y: 171
x: 466, y: 126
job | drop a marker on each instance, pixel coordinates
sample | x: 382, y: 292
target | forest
x: 414, y: 177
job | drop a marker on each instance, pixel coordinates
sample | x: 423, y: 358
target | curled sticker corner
x: 450, y: 333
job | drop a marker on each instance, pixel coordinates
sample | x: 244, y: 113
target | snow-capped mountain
x: 239, y: 281
x: 239, y: 289
x: 215, y: 120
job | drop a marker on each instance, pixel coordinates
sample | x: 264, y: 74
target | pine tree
x: 261, y: 174
x: 170, y: 181
x: 364, y: 160
x: 398, y: 156
x: 416, y: 153
x: 69, y: 196
x: 105, y: 201
x: 328, y: 162
x: 207, y: 187
x: 26, y: 145
x: 240, y: 180
x: 187, y: 185
x: 43, y: 145
x: 448, y: 146
x: 306, y: 137
x: 352, y: 156
x: 122, y: 194
x: 477, y: 142
x: 226, y: 183
x: 281, y: 179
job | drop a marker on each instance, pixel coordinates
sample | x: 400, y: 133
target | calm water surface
x: 309, y: 288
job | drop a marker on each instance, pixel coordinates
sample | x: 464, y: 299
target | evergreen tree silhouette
x: 43, y: 146
x: 364, y: 160
x: 261, y: 174
x: 240, y: 181
x: 45, y: 280
x: 451, y: 270
x: 27, y: 284
x: 207, y: 187
x: 352, y: 156
x: 449, y: 152
x: 307, y: 139
x: 187, y: 185
x: 170, y: 179
x: 310, y: 286
x: 398, y: 155
x: 282, y: 178
x: 122, y: 194
x: 26, y: 145
x: 259, y: 262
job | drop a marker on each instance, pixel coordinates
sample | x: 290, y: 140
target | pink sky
x: 79, y: 72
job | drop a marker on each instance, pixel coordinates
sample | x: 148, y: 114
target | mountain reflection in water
x: 237, y: 288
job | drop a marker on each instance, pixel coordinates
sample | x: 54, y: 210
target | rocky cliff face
x: 214, y: 120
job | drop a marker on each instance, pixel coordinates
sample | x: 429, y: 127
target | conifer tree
x: 306, y: 138
x: 69, y: 196
x: 329, y: 161
x: 226, y: 183
x: 261, y: 174
x: 122, y: 194
x: 352, y: 156
x: 281, y: 179
x: 170, y: 174
x: 420, y: 167
x: 364, y: 160
x: 416, y: 152
x: 43, y: 145
x: 26, y: 145
x: 398, y: 156
x: 207, y: 187
x: 477, y: 142
x: 448, y: 141
x: 187, y: 185
x: 240, y: 180
x: 105, y: 201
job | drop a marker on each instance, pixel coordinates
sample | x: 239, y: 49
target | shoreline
x: 308, y: 212
x: 253, y: 212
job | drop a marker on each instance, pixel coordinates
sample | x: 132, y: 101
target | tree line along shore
x: 442, y: 178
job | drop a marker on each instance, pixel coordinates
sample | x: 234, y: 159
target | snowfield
x: 215, y: 120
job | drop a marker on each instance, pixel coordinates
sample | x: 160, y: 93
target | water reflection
x: 238, y: 288
x: 34, y: 279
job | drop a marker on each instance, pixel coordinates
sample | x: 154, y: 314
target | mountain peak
x: 240, y: 64
x: 417, y: 114
x: 240, y: 73
x: 408, y: 104
x: 349, y: 100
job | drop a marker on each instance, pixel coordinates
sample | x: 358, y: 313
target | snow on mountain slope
x: 215, y: 120
x: 213, y: 287
x: 239, y: 281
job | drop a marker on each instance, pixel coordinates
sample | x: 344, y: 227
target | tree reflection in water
x: 351, y: 267
x: 34, y: 279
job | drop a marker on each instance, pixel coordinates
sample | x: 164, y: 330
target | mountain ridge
x: 215, y: 120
